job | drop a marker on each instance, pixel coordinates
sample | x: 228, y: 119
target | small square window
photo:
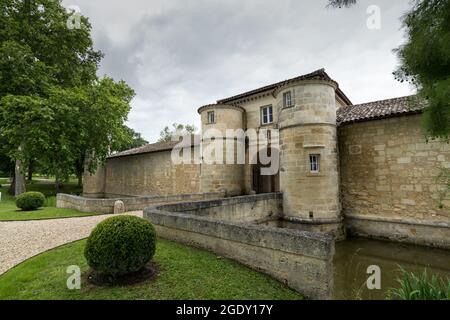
x: 287, y: 99
x: 314, y: 163
x: 211, y: 117
x: 266, y: 115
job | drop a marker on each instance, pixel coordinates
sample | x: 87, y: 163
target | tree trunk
x: 11, y: 178
x: 30, y: 171
x: 79, y: 169
x: 57, y: 184
x: 11, y: 186
x: 80, y: 180
x: 18, y: 183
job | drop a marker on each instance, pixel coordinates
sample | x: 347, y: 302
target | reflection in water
x: 353, y: 256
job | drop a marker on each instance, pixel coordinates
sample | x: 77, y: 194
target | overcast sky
x: 181, y: 54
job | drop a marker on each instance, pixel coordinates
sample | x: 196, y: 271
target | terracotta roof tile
x: 318, y: 74
x: 154, y: 147
x: 380, y: 109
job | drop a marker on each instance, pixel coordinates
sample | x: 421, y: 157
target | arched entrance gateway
x: 265, y: 183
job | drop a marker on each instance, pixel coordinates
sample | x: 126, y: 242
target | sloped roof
x: 380, y: 109
x: 316, y: 75
x: 156, y: 147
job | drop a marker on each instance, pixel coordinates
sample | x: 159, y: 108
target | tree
x: 425, y: 61
x: 41, y: 26
x: 53, y: 109
x: 67, y: 126
x: 177, y: 130
x: 134, y: 140
x: 21, y: 73
x: 6, y: 165
x: 101, y: 123
x: 23, y: 130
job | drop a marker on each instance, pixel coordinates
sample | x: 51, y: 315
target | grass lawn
x: 184, y: 273
x: 9, y: 211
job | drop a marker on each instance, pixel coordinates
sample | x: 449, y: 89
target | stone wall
x: 388, y: 181
x: 130, y: 204
x: 252, y: 209
x: 150, y: 174
x: 94, y: 183
x: 302, y: 260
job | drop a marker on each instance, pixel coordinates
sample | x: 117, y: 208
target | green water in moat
x: 354, y: 256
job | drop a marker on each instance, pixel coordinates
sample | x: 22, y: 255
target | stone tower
x: 94, y: 184
x: 218, y: 176
x: 309, y: 176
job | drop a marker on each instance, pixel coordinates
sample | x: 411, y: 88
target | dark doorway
x: 263, y: 183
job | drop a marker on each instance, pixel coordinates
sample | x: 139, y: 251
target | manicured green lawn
x: 9, y: 211
x: 184, y: 273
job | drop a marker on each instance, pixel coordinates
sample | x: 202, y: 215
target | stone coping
x: 220, y: 106
x: 139, y: 198
x: 104, y: 205
x: 310, y: 244
x: 196, y: 205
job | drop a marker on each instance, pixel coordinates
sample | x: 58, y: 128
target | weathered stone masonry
x: 377, y: 171
x: 388, y: 181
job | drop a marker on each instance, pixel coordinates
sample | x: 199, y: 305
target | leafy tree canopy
x: 425, y: 61
x: 39, y: 28
x: 53, y: 108
x: 134, y: 140
x: 178, y: 130
x: 67, y: 126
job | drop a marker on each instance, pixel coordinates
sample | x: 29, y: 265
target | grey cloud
x: 181, y: 54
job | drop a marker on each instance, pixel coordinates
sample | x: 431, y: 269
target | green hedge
x: 30, y: 200
x: 120, y: 245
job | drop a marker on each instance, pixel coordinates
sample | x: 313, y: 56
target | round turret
x: 309, y: 176
x: 219, y: 169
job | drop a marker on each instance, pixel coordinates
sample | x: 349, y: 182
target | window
x: 266, y: 115
x: 287, y: 99
x: 314, y: 163
x: 211, y: 118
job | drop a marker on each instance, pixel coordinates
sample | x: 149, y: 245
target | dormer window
x: 211, y: 117
x: 287, y: 99
x: 266, y: 115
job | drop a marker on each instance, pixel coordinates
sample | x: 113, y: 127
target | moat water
x: 354, y: 256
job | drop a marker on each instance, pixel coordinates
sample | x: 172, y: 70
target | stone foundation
x: 433, y: 234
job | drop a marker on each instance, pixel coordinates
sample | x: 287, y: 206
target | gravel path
x: 21, y: 240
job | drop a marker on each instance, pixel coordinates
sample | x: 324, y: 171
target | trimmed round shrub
x: 120, y: 245
x: 30, y: 201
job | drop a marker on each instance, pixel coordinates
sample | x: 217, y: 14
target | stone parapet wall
x: 302, y: 260
x: 250, y: 209
x: 131, y: 203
